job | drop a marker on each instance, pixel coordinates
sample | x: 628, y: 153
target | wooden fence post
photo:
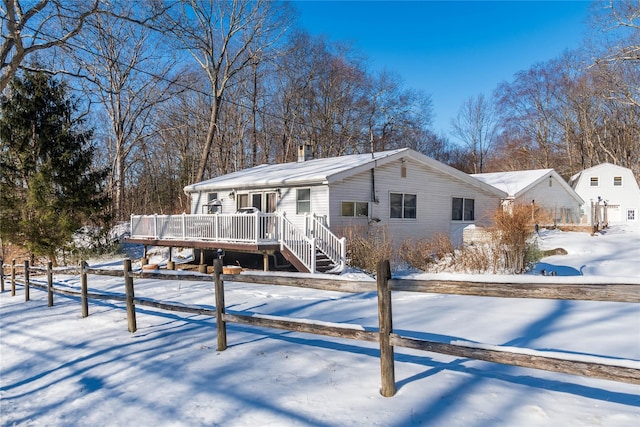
x: 84, y: 300
x: 387, y: 368
x: 1, y: 275
x: 49, y: 284
x: 13, y: 277
x: 221, y: 325
x: 128, y: 287
x: 26, y: 280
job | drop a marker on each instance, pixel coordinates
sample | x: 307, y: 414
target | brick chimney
x: 305, y: 152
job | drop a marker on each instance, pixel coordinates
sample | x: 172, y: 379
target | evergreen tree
x: 48, y: 188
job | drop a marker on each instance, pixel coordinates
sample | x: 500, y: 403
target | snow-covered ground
x: 58, y: 369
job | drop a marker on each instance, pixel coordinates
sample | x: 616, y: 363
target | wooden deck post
x: 128, y: 288
x: 202, y: 268
x: 144, y: 260
x: 170, y: 264
x: 387, y: 368
x: 49, y: 284
x: 84, y: 300
x: 13, y: 277
x: 221, y: 325
x: 26, y: 280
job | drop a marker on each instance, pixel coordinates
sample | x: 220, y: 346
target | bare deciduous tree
x: 225, y: 38
x: 129, y: 78
x: 476, y: 126
x: 29, y: 27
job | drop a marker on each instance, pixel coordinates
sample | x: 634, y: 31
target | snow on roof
x: 513, y: 182
x: 294, y: 173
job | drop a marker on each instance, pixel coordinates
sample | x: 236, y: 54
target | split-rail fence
x: 612, y: 369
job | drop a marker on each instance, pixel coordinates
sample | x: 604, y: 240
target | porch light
x: 232, y: 195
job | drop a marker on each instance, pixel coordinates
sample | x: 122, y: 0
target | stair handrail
x: 303, y: 247
x: 334, y: 247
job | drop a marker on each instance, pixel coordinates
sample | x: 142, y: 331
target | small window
x: 303, y: 201
x: 272, y: 202
x: 211, y: 197
x: 463, y: 209
x: 243, y: 201
x: 257, y: 201
x: 631, y: 215
x: 617, y: 181
x: 594, y: 181
x: 355, y: 209
x: 403, y: 205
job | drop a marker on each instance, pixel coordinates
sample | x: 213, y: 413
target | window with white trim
x: 303, y: 200
x: 617, y: 181
x: 463, y: 209
x: 593, y: 182
x: 355, y: 209
x: 402, y: 205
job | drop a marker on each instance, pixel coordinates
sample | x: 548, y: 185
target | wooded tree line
x: 180, y: 91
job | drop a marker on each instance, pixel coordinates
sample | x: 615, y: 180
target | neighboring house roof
x: 325, y: 171
x: 516, y: 183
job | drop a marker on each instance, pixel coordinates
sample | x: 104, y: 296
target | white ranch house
x: 610, y: 193
x: 302, y: 208
x: 541, y: 189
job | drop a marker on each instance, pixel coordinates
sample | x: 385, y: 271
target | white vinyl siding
x: 433, y: 189
x: 619, y: 198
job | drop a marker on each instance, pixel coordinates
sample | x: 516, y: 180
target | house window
x: 594, y: 181
x: 303, y: 201
x: 271, y: 202
x: 355, y: 209
x: 631, y: 215
x: 462, y: 209
x: 242, y: 201
x: 213, y: 205
x: 402, y: 205
x: 617, y: 181
x: 257, y: 201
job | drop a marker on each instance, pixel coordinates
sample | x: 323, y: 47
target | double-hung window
x: 303, y: 200
x: 462, y: 209
x: 402, y: 205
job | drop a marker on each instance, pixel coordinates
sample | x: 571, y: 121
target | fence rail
x: 596, y: 367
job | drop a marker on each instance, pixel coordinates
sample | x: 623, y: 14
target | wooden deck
x: 256, y: 232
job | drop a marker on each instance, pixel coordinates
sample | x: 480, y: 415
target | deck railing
x: 333, y: 247
x: 253, y: 228
x: 241, y: 228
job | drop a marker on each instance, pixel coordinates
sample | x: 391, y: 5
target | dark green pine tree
x: 48, y: 188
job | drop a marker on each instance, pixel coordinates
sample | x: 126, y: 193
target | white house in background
x: 613, y: 188
x: 541, y: 188
x: 411, y: 194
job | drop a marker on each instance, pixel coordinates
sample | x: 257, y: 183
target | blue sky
x: 451, y: 50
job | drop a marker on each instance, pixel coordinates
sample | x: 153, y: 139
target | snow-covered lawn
x: 58, y: 369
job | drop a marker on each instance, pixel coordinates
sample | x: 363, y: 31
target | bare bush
x: 510, y: 237
x: 367, y: 246
x: 507, y: 250
x: 423, y: 253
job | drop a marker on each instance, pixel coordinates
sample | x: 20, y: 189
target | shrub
x: 510, y: 236
x: 423, y: 253
x: 367, y: 246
